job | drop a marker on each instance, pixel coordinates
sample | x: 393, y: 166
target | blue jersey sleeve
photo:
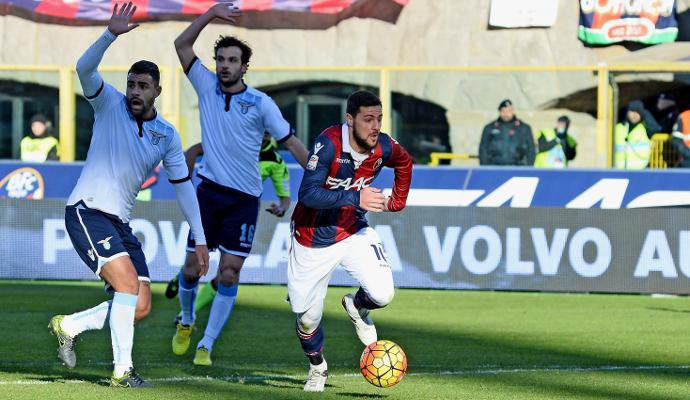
x: 312, y: 192
x: 200, y: 77
x: 273, y: 120
x: 174, y: 161
x: 100, y: 94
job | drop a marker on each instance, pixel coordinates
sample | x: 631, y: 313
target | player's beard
x: 141, y: 109
x: 234, y: 78
x: 362, y: 142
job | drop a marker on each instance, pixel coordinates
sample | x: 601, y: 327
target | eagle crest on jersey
x: 245, y: 106
x: 156, y: 136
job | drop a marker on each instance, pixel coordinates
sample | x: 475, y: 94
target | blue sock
x: 220, y: 312
x: 187, y: 295
x: 312, y: 344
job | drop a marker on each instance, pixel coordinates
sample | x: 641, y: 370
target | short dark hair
x: 231, y: 41
x: 146, y: 67
x: 361, y: 98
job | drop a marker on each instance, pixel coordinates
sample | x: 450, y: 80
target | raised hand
x: 119, y: 21
x: 371, y: 199
x: 226, y: 11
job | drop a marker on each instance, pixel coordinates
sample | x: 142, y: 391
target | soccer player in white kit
x: 330, y: 226
x: 129, y: 140
x: 234, y: 118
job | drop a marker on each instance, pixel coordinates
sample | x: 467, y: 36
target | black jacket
x: 507, y: 143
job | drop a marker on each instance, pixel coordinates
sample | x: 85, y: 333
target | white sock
x: 321, y: 367
x: 122, y: 331
x: 220, y: 312
x: 187, y: 295
x: 93, y: 318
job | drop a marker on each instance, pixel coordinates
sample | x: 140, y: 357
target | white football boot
x: 366, y: 331
x: 316, y: 380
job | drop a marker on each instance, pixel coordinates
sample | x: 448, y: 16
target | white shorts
x: 361, y: 255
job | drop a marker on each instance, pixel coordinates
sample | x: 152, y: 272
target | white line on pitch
x: 465, y: 372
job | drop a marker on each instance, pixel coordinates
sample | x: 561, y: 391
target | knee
x: 229, y: 274
x: 130, y: 285
x: 308, y: 321
x: 382, y: 297
x: 190, y: 272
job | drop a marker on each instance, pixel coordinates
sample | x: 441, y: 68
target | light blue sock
x: 187, y: 296
x: 220, y: 312
x: 93, y: 318
x: 122, y: 330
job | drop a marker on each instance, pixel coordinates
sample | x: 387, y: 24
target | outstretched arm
x: 87, y: 66
x: 297, y: 150
x: 184, y: 44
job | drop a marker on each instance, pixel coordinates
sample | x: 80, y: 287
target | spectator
x: 680, y: 140
x: 667, y: 112
x: 555, y: 146
x: 632, y: 146
x: 39, y: 145
x: 506, y: 141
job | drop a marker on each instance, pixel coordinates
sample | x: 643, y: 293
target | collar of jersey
x: 346, y: 141
x: 220, y: 90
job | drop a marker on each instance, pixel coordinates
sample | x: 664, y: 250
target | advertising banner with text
x: 544, y: 249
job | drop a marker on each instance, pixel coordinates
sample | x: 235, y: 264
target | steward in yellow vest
x: 555, y: 147
x: 39, y: 146
x: 632, y: 147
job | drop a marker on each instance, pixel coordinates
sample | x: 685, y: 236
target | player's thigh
x: 121, y: 275
x: 135, y: 251
x: 95, y: 237
x: 239, y: 226
x: 309, y: 271
x: 367, y: 262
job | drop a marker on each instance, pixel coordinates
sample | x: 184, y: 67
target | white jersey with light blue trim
x: 232, y: 129
x: 119, y: 160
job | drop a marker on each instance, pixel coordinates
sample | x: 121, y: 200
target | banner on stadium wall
x: 545, y: 249
x: 605, y: 22
x: 259, y: 14
x: 434, y: 187
x: 523, y: 14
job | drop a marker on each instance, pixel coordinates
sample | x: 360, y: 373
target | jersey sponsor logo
x: 22, y: 183
x: 342, y: 161
x: 245, y: 106
x: 105, y: 242
x: 347, y: 184
x: 156, y: 136
x: 318, y: 146
x: 313, y: 161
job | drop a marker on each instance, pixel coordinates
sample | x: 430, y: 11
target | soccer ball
x: 383, y: 363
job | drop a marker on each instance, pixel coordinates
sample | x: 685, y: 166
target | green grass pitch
x: 460, y: 345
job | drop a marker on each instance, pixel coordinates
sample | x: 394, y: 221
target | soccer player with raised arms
x: 129, y: 140
x: 330, y: 226
x: 234, y: 118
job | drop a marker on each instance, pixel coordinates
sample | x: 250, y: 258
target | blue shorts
x: 100, y: 237
x: 229, y: 218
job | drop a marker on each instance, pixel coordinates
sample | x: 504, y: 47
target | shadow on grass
x: 259, y: 346
x: 668, y: 310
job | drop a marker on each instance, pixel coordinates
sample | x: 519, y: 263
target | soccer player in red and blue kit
x: 330, y: 226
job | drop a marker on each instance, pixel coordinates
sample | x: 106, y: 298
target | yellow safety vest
x: 634, y: 152
x: 36, y: 149
x: 554, y: 158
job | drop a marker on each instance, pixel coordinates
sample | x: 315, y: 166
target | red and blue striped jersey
x: 328, y: 209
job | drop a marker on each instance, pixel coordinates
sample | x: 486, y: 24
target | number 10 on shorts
x: 380, y: 254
